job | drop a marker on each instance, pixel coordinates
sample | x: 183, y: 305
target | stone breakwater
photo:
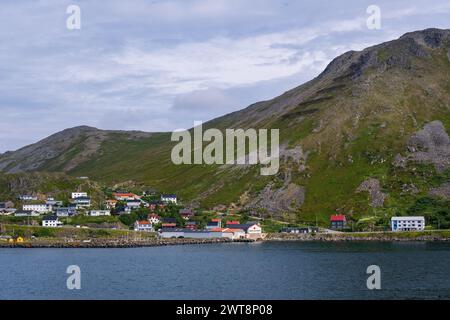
x: 114, y: 243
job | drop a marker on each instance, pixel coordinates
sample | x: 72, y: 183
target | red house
x: 338, y: 221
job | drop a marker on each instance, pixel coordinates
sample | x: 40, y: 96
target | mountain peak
x: 432, y: 37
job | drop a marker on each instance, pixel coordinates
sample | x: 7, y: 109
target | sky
x: 161, y: 65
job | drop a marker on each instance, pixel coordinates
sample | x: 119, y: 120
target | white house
x: 98, y: 213
x: 82, y: 202
x: 143, y: 226
x: 51, y: 221
x: 408, y: 223
x: 133, y: 204
x: 79, y: 195
x: 154, y: 218
x: 26, y: 213
x: 27, y: 197
x: 40, y: 207
x: 169, y: 198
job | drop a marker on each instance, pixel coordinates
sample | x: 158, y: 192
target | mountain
x: 368, y: 137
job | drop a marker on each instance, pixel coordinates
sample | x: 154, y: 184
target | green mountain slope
x: 368, y: 137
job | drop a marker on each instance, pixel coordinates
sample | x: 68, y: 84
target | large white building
x: 408, y: 223
x: 41, y: 208
x: 51, y: 221
x: 169, y: 198
x: 98, y: 213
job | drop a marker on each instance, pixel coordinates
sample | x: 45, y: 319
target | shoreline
x: 426, y: 236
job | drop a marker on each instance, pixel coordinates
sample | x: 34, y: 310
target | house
x: 6, y: 205
x: 6, y: 238
x: 110, y: 204
x: 338, y: 221
x: 191, y: 225
x: 79, y: 195
x: 169, y: 223
x: 169, y: 220
x: 252, y: 229
x: 230, y: 233
x: 296, y: 230
x: 133, y: 204
x: 408, y: 223
x: 154, y: 218
x: 26, y: 213
x: 98, y: 213
x: 169, y: 198
x: 82, y: 202
x: 66, y: 211
x: 144, y: 225
x: 51, y: 221
x: 232, y: 223
x: 154, y: 204
x: 186, y: 214
x: 18, y: 239
x: 7, y: 212
x: 214, y: 224
x: 27, y: 197
x: 39, y: 207
x: 54, y: 203
x: 120, y: 196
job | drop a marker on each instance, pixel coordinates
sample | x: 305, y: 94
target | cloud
x: 159, y: 65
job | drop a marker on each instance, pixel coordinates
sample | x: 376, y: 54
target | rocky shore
x: 442, y: 236
x: 111, y: 243
x: 347, y: 237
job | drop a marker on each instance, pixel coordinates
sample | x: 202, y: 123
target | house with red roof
x: 338, y: 221
x: 144, y: 225
x: 125, y: 196
x: 213, y: 224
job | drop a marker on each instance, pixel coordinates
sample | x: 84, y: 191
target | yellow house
x: 19, y: 239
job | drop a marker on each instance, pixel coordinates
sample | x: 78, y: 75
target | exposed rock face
x: 284, y: 199
x: 431, y: 145
x: 443, y: 191
x: 373, y: 187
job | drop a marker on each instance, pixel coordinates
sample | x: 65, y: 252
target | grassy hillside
x: 338, y: 131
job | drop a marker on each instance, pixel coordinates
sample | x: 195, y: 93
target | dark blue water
x: 231, y: 271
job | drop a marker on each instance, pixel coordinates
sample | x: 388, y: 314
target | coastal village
x: 160, y: 214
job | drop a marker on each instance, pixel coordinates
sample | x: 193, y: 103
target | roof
x: 169, y: 220
x: 337, y: 218
x: 233, y: 222
x: 243, y: 226
x: 168, y: 195
x: 169, y: 225
x: 50, y: 218
x: 226, y: 230
x: 143, y: 222
x: 216, y: 220
x: 82, y: 198
x: 120, y: 194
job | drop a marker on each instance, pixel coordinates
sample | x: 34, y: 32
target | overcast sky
x: 160, y: 65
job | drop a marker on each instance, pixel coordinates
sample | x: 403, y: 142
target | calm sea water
x: 231, y: 271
